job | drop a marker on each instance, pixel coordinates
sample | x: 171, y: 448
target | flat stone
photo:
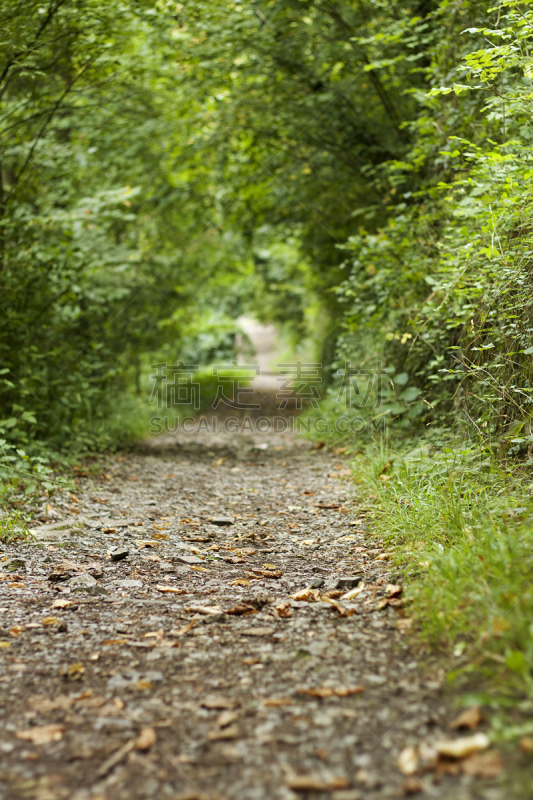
x: 188, y: 559
x: 119, y: 553
x: 348, y: 583
x: 222, y: 521
x: 81, y: 583
x: 128, y: 584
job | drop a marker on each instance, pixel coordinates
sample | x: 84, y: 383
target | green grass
x: 12, y: 528
x: 462, y: 526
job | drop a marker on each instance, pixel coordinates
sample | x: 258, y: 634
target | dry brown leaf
x: 213, y: 701
x: 226, y: 718
x: 483, y: 765
x: 42, y: 734
x: 45, y: 705
x: 306, y: 783
x: 204, y: 610
x: 469, y: 718
x: 460, y: 748
x: 184, y: 630
x: 74, y: 672
x: 283, y: 610
x: 393, y: 589
x: 60, y: 603
x: 170, y: 589
x: 308, y: 595
x: 408, y: 760
x: 146, y: 739
x: 108, y: 642
x: 16, y: 585
x: 159, y: 535
x: 48, y: 621
x: 241, y: 610
x: 16, y: 630
x: 225, y: 733
x: 240, y: 582
x: 275, y: 702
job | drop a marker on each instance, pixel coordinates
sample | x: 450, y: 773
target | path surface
x: 193, y: 643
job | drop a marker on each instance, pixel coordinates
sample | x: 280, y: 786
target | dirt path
x: 187, y: 668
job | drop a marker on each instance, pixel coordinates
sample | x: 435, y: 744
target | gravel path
x: 209, y: 618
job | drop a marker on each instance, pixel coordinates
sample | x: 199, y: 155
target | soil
x: 189, y: 667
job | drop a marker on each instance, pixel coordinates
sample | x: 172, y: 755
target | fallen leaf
x: 240, y: 582
x: 526, y: 744
x: 73, y: 672
x: 159, y: 535
x: 460, y: 748
x: 469, y: 718
x: 269, y: 566
x: 200, y: 569
x: 275, y: 702
x: 48, y: 621
x: 108, y: 642
x: 5, y: 644
x: 283, y: 610
x: 141, y: 543
x: 182, y: 631
x: 306, y: 783
x: 225, y: 733
x: 16, y: 585
x: 483, y: 765
x: 216, y: 702
x: 45, y: 705
x: 16, y: 630
x: 205, y: 610
x: 146, y: 739
x: 242, y: 609
x: 393, y: 590
x: 353, y: 593
x: 170, y: 589
x: 144, y: 685
x: 308, y: 595
x: 42, y: 734
x: 226, y: 718
x: 408, y: 760
x: 60, y: 603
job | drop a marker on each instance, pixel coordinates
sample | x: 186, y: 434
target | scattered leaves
x: 42, y: 734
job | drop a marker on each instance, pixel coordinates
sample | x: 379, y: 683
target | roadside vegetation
x: 358, y: 174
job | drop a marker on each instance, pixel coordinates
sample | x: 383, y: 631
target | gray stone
x: 128, y: 584
x: 118, y: 553
x: 81, y: 583
x: 348, y: 583
x: 222, y: 520
x: 187, y: 559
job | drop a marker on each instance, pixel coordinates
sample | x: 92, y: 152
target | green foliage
x: 466, y: 524
x: 12, y: 528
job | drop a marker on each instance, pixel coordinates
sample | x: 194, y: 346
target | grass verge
x: 462, y: 526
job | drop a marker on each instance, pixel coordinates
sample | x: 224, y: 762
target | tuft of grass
x: 12, y: 528
x: 463, y: 525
